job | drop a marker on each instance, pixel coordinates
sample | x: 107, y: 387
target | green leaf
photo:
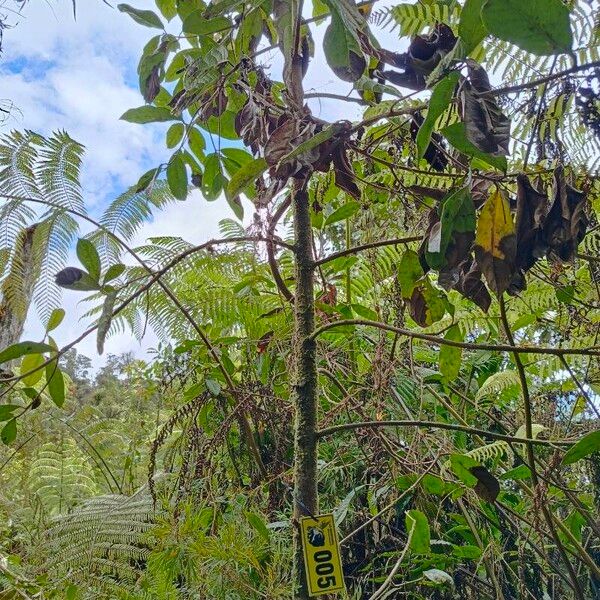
x: 147, y: 18
x: 586, y: 445
x: 471, y: 29
x: 175, y: 134
x: 456, y: 134
x: 439, y: 102
x: 342, y: 50
x: 539, y: 26
x: 105, y: 320
x: 458, y: 217
x: 148, y: 114
x: 113, y: 272
x: 439, y: 577
x: 461, y: 465
x: 168, y: 8
x: 365, y: 312
x: 212, y: 178
x: 450, y: 356
x: 197, y: 24
x: 343, y: 212
x: 213, y: 387
x: 520, y: 472
x: 177, y: 177
x: 31, y: 363
x: 6, y: 411
x: 56, y: 318
x: 246, y: 176
x: 417, y: 522
x: 410, y: 272
x: 89, y: 258
x: 146, y: 180
x: 56, y: 383
x: 22, y: 349
x: 196, y: 142
x: 9, y: 432
x: 259, y: 525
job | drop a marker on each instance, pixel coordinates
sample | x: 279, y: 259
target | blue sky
x: 80, y: 76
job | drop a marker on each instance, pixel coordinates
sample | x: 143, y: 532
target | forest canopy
x: 397, y: 326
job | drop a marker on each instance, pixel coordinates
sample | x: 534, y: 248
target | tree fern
x: 60, y: 476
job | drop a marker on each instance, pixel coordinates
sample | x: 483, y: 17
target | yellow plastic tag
x: 322, y: 561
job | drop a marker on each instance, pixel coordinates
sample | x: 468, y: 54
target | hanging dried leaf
x: 471, y: 286
x: 531, y: 212
x: 427, y: 303
x: 496, y: 243
x: 566, y: 223
x: 487, y: 127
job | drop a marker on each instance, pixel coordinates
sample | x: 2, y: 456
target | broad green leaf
x: 89, y: 258
x: 410, y: 272
x: 9, y: 432
x: 56, y: 384
x: 177, y: 177
x: 213, y: 387
x: 6, y: 411
x: 364, y: 312
x: 168, y: 8
x: 212, y: 178
x: 438, y: 577
x: 450, y: 356
x: 146, y: 180
x: 113, y: 272
x: 496, y: 243
x: 586, y: 445
x: 147, y: 18
x: 342, y: 50
x: 245, y: 176
x: 520, y: 472
x: 22, y: 349
x: 438, y: 103
x: 31, y: 363
x: 539, y: 26
x: 456, y: 134
x: 471, y: 29
x: 343, y: 212
x: 196, y: 142
x: 148, y: 114
x: 175, y: 134
x: 56, y: 318
x: 197, y: 24
x: 417, y: 522
x: 105, y: 320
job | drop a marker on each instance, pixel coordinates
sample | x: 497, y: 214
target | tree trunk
x: 17, y: 290
x: 305, y: 383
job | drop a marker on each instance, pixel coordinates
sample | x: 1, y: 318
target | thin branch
x: 378, y: 244
x: 509, y: 89
x: 465, y: 345
x: 437, y: 425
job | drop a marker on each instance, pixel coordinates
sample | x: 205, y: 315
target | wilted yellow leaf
x: 496, y: 243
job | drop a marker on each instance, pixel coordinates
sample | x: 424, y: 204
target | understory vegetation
x: 405, y: 332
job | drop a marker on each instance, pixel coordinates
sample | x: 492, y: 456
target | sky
x: 80, y: 76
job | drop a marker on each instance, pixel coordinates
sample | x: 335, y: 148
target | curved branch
x: 466, y: 345
x: 436, y: 425
x: 279, y: 282
x: 378, y: 244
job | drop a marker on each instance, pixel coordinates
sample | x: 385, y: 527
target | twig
x: 437, y: 425
x: 466, y: 345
